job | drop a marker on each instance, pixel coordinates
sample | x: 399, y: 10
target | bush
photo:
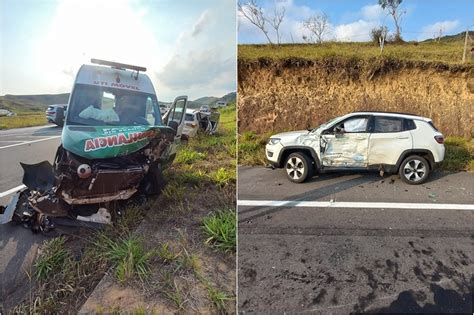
x: 377, y: 33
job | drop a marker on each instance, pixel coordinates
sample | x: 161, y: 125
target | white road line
x: 12, y: 141
x: 11, y: 191
x: 28, y: 142
x: 366, y: 205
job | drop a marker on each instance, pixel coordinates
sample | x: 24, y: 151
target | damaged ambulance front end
x: 114, y: 146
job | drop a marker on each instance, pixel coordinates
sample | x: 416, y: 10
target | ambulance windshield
x: 102, y: 106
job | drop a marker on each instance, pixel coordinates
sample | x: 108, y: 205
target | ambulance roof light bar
x: 117, y: 65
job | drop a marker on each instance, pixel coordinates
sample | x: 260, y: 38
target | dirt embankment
x: 296, y: 94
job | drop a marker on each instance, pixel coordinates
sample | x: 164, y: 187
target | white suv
x: 387, y: 142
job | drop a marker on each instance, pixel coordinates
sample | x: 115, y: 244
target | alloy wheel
x: 295, y: 167
x: 414, y: 170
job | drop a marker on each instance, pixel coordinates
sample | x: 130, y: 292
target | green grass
x: 217, y: 297
x: 165, y: 253
x: 174, y: 191
x: 450, y: 52
x: 252, y: 148
x: 220, y: 229
x: 223, y: 176
x: 190, y: 176
x: 53, y: 256
x: 26, y: 119
x: 459, y: 154
x: 127, y: 254
x: 188, y: 156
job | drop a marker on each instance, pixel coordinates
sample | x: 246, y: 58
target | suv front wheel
x: 298, y: 167
x: 414, y: 170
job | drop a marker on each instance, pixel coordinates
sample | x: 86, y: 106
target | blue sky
x: 188, y: 47
x: 353, y: 20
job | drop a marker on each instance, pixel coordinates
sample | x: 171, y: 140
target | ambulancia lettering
x: 116, y: 140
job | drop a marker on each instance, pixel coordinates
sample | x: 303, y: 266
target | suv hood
x: 290, y: 137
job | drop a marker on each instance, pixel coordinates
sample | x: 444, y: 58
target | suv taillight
x: 439, y: 139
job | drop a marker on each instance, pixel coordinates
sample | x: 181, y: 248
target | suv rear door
x: 345, y: 144
x: 389, y: 137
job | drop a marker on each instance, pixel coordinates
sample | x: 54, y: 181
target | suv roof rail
x: 117, y: 65
x: 386, y: 112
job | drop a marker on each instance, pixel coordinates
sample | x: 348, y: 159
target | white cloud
x: 188, y: 49
x: 195, y: 69
x: 71, y: 41
x: 355, y: 32
x: 203, y: 59
x: 433, y: 30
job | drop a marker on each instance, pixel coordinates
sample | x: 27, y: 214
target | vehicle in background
x: 221, y: 104
x: 205, y: 109
x: 387, y: 142
x: 6, y: 113
x: 55, y: 114
x: 196, y: 120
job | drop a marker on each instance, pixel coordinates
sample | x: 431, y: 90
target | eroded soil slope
x: 296, y: 94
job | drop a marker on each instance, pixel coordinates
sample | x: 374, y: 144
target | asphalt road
x: 340, y: 246
x: 18, y: 246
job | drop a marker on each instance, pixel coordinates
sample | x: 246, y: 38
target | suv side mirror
x: 339, y: 130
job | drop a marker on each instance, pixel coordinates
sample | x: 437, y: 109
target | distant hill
x: 452, y: 38
x: 206, y: 100
x: 210, y: 100
x: 231, y: 97
x: 26, y: 103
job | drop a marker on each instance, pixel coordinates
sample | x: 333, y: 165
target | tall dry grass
x: 292, y: 94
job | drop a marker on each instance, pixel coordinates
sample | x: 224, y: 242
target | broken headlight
x: 273, y: 141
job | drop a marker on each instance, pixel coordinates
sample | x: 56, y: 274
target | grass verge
x: 26, y: 119
x: 127, y: 255
x: 459, y: 154
x: 448, y: 52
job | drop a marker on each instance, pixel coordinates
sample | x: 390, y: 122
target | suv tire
x: 414, y: 170
x: 298, y: 167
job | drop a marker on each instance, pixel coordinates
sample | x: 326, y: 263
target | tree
x: 252, y: 12
x: 275, y: 21
x: 393, y: 9
x: 378, y: 34
x: 318, y: 26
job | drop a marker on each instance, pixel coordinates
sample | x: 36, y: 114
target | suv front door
x: 345, y: 144
x: 388, y: 139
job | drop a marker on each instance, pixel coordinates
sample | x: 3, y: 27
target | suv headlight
x: 273, y: 141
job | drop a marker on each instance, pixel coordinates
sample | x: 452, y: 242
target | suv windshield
x: 98, y: 106
x: 322, y: 126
